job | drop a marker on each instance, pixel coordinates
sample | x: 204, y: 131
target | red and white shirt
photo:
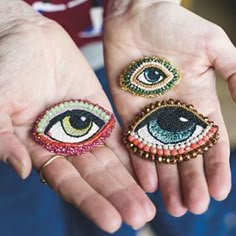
x: 82, y: 19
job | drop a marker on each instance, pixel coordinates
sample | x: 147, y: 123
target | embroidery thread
x: 149, y: 77
x: 73, y: 127
x: 170, y: 132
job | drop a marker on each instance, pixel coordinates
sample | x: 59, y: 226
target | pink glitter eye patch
x: 73, y: 127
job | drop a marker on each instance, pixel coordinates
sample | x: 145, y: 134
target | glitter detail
x: 171, y: 117
x: 46, y: 133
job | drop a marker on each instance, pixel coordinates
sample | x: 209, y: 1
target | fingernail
x: 134, y: 228
x: 137, y: 227
x: 17, y: 166
x: 150, y: 215
x: 150, y: 210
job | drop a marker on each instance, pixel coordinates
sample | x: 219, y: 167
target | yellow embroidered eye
x: 149, y: 77
x: 171, y: 131
x: 76, y: 128
x: 73, y: 127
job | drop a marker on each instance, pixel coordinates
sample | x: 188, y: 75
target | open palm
x: 41, y: 66
x: 196, y: 47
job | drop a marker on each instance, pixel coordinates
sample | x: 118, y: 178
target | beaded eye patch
x: 73, y: 127
x: 170, y: 132
x: 149, y: 77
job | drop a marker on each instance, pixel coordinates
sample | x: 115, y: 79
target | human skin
x: 197, y: 47
x: 40, y: 66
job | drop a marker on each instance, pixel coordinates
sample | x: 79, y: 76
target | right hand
x: 41, y: 66
x: 196, y: 47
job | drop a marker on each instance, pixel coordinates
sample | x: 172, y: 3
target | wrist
x: 16, y: 12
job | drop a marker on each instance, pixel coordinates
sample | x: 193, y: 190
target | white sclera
x: 142, y: 79
x: 57, y: 133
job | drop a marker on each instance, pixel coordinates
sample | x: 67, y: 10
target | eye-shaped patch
x: 170, y: 132
x: 149, y: 77
x: 73, y: 127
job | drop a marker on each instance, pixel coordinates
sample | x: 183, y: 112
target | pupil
x: 78, y: 123
x: 154, y: 75
x: 169, y: 118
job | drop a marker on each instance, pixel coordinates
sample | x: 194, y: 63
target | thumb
x: 223, y: 57
x: 12, y: 150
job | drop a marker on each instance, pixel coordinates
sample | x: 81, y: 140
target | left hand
x: 196, y: 47
x: 41, y: 66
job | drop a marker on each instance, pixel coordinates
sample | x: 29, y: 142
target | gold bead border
x: 170, y: 159
x: 122, y: 77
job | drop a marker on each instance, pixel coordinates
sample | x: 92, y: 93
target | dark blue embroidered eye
x: 171, y: 131
x: 151, y: 76
x: 170, y: 125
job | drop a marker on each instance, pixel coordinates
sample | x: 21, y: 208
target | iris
x: 170, y: 125
x: 154, y: 75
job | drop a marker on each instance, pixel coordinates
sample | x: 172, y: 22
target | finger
x: 145, y: 170
x: 116, y: 144
x: 222, y: 55
x: 63, y: 177
x: 217, y: 166
x: 12, y: 150
x: 146, y: 173
x: 193, y: 182
x: 106, y: 174
x: 169, y: 184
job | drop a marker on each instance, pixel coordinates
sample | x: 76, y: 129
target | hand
x: 196, y: 47
x: 41, y: 66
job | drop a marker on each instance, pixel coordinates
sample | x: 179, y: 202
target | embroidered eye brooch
x: 73, y: 127
x: 170, y: 132
x: 149, y: 77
